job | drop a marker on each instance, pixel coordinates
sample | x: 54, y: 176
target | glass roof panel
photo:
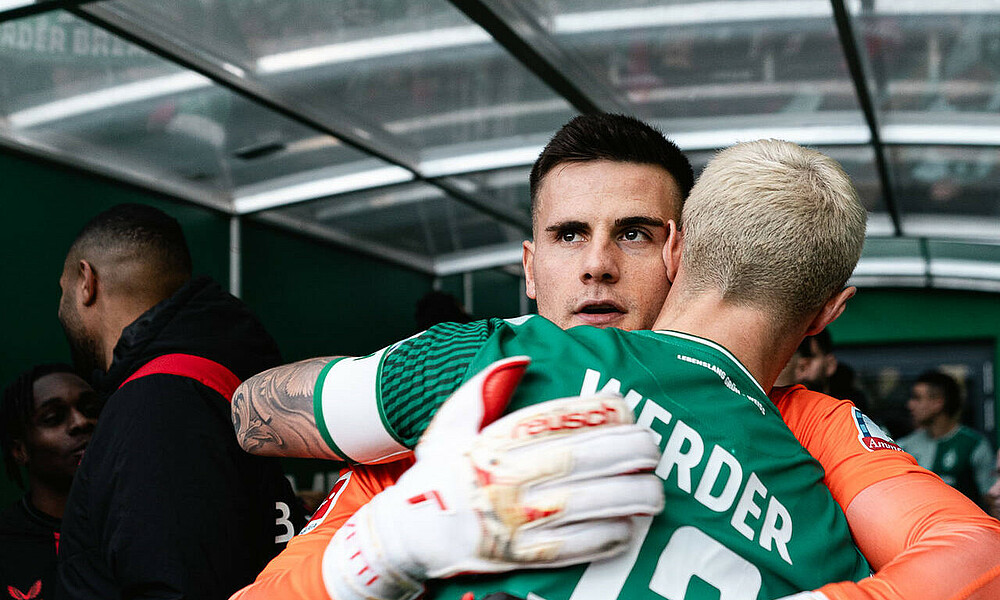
x: 859, y: 163
x: 415, y: 217
x: 505, y: 190
x: 419, y: 74
x: 947, y: 191
x: 965, y: 265
x: 705, y: 65
x: 936, y: 56
x: 81, y: 92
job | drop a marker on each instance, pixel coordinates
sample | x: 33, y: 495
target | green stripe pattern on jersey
x: 425, y: 370
x: 747, y: 516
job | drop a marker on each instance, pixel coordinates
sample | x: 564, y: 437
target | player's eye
x: 568, y: 236
x: 51, y: 418
x: 635, y: 235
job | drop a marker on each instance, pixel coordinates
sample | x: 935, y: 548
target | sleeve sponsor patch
x: 871, y: 436
x: 328, y: 504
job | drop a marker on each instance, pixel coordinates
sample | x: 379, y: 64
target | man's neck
x: 47, y: 499
x: 941, y: 426
x: 123, y: 314
x: 754, y: 339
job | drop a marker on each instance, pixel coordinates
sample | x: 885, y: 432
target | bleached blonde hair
x: 773, y: 225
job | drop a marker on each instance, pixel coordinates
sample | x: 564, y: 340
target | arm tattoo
x: 273, y: 412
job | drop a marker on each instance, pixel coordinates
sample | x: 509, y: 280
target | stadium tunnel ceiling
x: 406, y: 129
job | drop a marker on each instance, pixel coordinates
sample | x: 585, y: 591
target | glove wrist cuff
x: 355, y: 567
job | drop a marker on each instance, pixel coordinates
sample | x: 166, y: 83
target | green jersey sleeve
x: 419, y: 374
x: 375, y: 408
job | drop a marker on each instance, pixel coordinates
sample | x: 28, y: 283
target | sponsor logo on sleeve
x: 329, y: 503
x: 871, y: 436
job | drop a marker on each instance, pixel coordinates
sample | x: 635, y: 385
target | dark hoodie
x: 165, y: 503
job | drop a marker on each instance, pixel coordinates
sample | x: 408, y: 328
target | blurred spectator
x: 439, y: 307
x: 48, y: 415
x: 960, y: 455
x: 994, y: 493
x: 816, y: 362
x: 818, y: 369
x: 165, y: 504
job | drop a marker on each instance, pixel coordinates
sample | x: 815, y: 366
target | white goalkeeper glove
x: 550, y: 485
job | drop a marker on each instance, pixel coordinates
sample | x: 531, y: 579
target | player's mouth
x: 599, y: 314
x: 78, y: 452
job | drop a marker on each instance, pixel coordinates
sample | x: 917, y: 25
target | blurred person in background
x: 960, y: 455
x: 47, y: 416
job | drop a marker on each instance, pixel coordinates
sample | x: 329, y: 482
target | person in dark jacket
x: 47, y: 416
x: 165, y: 503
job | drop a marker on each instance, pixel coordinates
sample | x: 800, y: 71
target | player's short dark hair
x: 946, y: 386
x: 16, y: 409
x: 140, y: 229
x: 823, y: 341
x: 618, y: 138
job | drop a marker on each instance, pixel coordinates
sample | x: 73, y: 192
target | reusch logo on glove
x: 570, y: 417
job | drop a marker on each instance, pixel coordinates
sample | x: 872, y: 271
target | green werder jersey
x: 747, y: 516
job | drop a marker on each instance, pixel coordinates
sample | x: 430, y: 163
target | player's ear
x: 832, y: 309
x: 831, y: 365
x: 672, y: 250
x: 87, y: 282
x: 19, y: 452
x: 528, y: 262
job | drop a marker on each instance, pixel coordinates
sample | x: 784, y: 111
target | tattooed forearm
x: 273, y: 412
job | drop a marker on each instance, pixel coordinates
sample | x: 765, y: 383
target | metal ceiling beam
x: 852, y: 55
x: 556, y: 75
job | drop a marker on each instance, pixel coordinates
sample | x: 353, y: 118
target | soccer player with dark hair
x: 47, y: 415
x: 599, y: 228
x: 165, y: 503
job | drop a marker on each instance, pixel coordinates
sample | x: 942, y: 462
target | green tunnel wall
x: 316, y: 299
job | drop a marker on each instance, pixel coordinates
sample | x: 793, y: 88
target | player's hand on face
x: 549, y: 485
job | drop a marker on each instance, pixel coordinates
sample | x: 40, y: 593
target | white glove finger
x: 474, y: 404
x: 572, y: 543
x: 590, y: 454
x: 608, y: 497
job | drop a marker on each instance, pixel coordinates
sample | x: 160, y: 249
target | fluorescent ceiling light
x: 808, y: 135
x: 10, y: 4
x: 694, y: 13
x: 976, y: 285
x: 880, y: 225
x: 108, y: 98
x: 468, y: 163
x: 894, y: 266
x: 965, y: 269
x: 950, y: 134
x: 320, y: 188
x: 390, y: 45
x: 490, y: 257
x: 967, y: 227
x: 887, y: 281
x: 928, y: 7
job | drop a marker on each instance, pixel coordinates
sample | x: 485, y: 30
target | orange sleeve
x: 297, y: 571
x: 853, y: 451
x: 925, y: 540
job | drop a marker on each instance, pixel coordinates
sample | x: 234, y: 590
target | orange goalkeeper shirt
x: 925, y: 540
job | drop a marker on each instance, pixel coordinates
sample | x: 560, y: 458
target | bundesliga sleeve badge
x: 871, y: 436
